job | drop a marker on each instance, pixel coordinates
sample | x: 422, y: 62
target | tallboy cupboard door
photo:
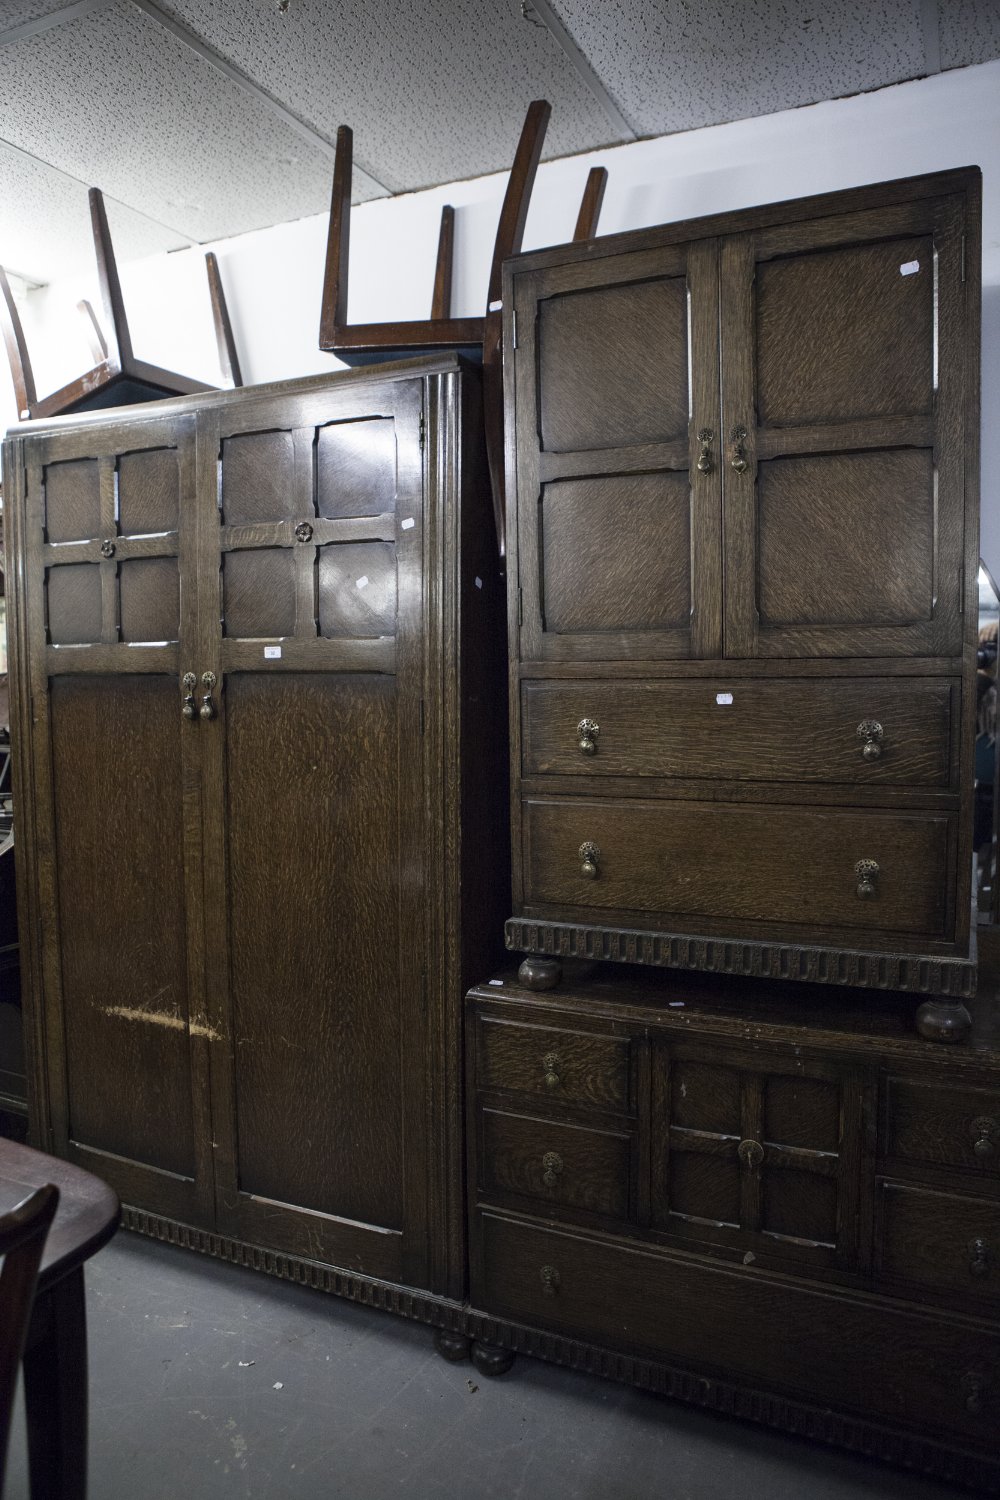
x: 312, y: 546
x: 843, y: 355
x: 617, y: 399
x: 110, y: 809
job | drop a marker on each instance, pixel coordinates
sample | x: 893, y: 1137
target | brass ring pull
x: 552, y: 1165
x: 985, y: 1133
x: 870, y: 731
x: 973, y: 1389
x: 751, y: 1154
x: 188, y: 708
x: 550, y: 1280
x: 867, y: 871
x: 589, y: 855
x: 207, y: 710
x: 979, y: 1257
x: 551, y: 1064
x: 704, y: 464
x: 588, y: 730
x: 739, y: 458
x: 303, y: 532
x: 107, y: 548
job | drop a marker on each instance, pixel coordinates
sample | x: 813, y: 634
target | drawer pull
x: 985, y: 1133
x: 973, y: 1389
x: 550, y: 1280
x: 739, y: 458
x: 207, y: 709
x: 588, y: 730
x: 188, y: 706
x: 870, y: 730
x: 751, y: 1154
x: 704, y: 464
x: 551, y: 1064
x: 979, y: 1257
x: 589, y: 855
x: 552, y: 1164
x: 867, y: 871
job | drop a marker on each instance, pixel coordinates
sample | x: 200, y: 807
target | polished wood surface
x: 23, y: 1229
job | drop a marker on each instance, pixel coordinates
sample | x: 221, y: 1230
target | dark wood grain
x: 940, y: 1240
x: 229, y: 360
x: 590, y: 204
x: 926, y: 1123
x: 555, y: 1163
x: 562, y: 1065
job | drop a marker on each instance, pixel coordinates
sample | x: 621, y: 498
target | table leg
x: 55, y: 1393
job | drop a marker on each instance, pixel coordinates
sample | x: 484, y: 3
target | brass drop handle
x: 550, y: 1280
x: 751, y: 1154
x: 870, y: 732
x: 985, y: 1133
x: 552, y: 1165
x: 207, y: 710
x: 739, y: 458
x: 973, y: 1389
x: 867, y: 871
x: 589, y: 855
x: 704, y: 464
x: 588, y: 730
x: 551, y: 1064
x: 979, y: 1257
x: 188, y: 708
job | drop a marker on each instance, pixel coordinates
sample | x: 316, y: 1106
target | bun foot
x: 454, y: 1347
x: 490, y: 1359
x: 943, y: 1020
x: 540, y: 973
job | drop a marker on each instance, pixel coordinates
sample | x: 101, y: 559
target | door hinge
x: 421, y: 716
x: 963, y: 257
x: 513, y: 327
x: 423, y: 430
x: 520, y: 607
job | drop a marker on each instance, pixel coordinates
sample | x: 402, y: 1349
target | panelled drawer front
x: 564, y: 1164
x: 568, y: 1067
x: 732, y: 862
x: 825, y: 1347
x: 789, y: 730
x: 950, y: 1126
x: 941, y: 1240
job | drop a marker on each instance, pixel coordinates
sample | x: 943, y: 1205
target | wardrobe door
x: 313, y: 546
x: 844, y: 349
x: 617, y: 459
x: 109, y: 848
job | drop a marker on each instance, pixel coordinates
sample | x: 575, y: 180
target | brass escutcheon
x: 979, y: 1257
x: 739, y: 458
x: 589, y: 854
x: 867, y: 871
x: 551, y: 1064
x: 870, y: 731
x: 750, y: 1153
x: 550, y: 1280
x: 704, y: 464
x: 303, y: 532
x: 588, y: 730
x: 985, y: 1133
x: 188, y: 708
x: 552, y: 1165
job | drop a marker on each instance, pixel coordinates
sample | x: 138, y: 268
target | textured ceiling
x: 211, y: 117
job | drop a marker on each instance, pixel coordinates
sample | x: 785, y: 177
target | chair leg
x: 590, y: 206
x: 441, y: 301
x: 118, y: 337
x: 229, y: 360
x: 333, y: 313
x: 17, y: 350
x: 55, y: 1393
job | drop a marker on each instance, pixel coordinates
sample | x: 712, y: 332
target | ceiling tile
x: 116, y: 100
x: 969, y: 31
x: 49, y: 235
x: 20, y: 12
x: 435, y: 91
x: 677, y: 64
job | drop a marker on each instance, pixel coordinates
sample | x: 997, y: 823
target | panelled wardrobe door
x: 109, y: 806
x: 843, y: 355
x: 618, y: 493
x: 312, y: 547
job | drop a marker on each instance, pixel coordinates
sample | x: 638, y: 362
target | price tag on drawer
x: 724, y: 698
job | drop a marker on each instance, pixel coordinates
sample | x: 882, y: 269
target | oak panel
x: 72, y: 500
x: 73, y: 604
x: 356, y: 468
x: 149, y: 599
x: 590, y: 1171
x: 148, y: 491
x: 257, y: 478
x: 258, y: 593
x: 357, y: 590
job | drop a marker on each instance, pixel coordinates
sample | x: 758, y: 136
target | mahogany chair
x: 117, y: 377
x: 22, y: 1239
x: 361, y: 343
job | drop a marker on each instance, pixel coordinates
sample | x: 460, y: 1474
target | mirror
x: 985, y: 804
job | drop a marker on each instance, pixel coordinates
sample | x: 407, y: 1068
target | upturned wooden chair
x: 22, y: 1239
x: 117, y: 377
x: 361, y: 343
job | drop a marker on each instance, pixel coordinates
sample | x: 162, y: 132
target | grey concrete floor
x: 209, y: 1382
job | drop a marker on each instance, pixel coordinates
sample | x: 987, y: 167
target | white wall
x: 273, y: 278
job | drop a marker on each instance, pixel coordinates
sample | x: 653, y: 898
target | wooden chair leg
x: 17, y: 350
x: 95, y: 338
x: 229, y: 360
x: 119, y: 340
x: 590, y: 206
x: 338, y: 243
x: 55, y: 1395
x: 441, y: 300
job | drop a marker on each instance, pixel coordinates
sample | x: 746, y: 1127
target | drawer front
x: 563, y: 1164
x: 691, y: 861
x: 789, y: 730
x: 941, y: 1240
x: 849, y: 1351
x: 947, y: 1126
x: 568, y: 1067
